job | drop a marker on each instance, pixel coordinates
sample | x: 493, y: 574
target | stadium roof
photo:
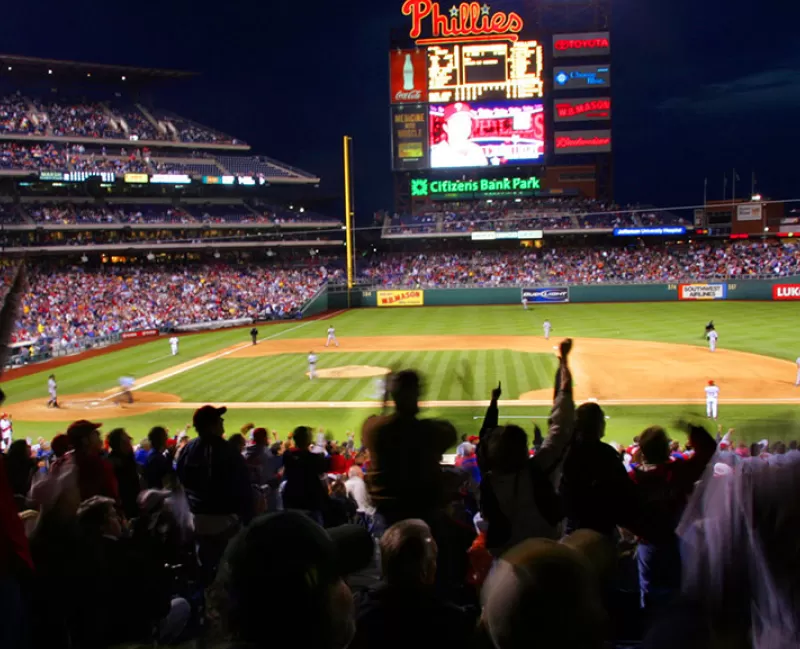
x: 27, y: 65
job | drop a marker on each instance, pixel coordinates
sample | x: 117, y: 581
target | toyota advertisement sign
x: 546, y: 295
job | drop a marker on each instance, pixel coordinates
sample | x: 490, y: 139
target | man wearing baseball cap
x: 457, y: 149
x: 286, y: 564
x: 217, y: 486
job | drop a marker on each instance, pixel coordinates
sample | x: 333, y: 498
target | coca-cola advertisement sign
x: 145, y: 333
x: 408, y: 75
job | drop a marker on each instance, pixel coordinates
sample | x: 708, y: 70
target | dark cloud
x: 774, y: 89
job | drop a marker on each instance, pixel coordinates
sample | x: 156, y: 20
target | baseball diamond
x: 640, y: 361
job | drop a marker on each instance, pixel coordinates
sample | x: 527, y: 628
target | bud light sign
x: 546, y: 295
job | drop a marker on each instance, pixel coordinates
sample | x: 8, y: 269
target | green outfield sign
x: 482, y: 188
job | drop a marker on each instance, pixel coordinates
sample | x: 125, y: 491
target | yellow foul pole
x: 348, y: 216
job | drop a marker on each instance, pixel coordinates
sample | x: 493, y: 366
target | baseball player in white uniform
x: 525, y: 303
x: 797, y: 382
x: 6, y: 432
x: 331, y: 337
x: 312, y: 365
x: 52, y: 390
x: 712, y: 400
x: 712, y: 340
x: 547, y: 328
x: 380, y: 388
x: 173, y: 344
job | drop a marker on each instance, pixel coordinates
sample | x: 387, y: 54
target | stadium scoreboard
x: 472, y: 72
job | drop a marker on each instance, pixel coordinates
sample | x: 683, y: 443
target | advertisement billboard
x: 400, y: 298
x: 479, y: 188
x: 786, y: 292
x: 650, y: 232
x: 580, y: 77
x: 486, y: 134
x: 588, y: 44
x: 582, y: 110
x: 583, y: 141
x: 409, y: 137
x: 749, y: 212
x: 485, y: 71
x: 702, y: 291
x: 546, y: 295
x: 408, y: 76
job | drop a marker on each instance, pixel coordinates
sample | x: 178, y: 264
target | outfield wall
x: 757, y: 290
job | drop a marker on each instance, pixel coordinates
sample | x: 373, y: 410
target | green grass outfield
x: 763, y: 328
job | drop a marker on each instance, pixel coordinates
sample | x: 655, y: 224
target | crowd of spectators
x: 583, y: 265
x: 373, y: 542
x: 561, y: 213
x: 63, y: 117
x: 32, y: 157
x: 73, y: 306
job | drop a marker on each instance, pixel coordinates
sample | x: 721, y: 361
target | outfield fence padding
x: 719, y: 290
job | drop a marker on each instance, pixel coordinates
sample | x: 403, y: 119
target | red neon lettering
x: 564, y: 142
x: 469, y: 21
x: 577, y: 44
x: 570, y: 110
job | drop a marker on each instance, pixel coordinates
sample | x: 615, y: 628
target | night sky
x: 700, y: 86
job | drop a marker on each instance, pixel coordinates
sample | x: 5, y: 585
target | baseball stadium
x: 508, y: 409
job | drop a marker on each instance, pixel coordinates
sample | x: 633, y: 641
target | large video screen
x: 485, y: 71
x: 486, y: 134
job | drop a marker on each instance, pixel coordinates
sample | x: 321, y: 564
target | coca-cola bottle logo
x: 411, y: 95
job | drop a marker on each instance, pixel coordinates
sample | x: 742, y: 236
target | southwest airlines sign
x: 578, y: 77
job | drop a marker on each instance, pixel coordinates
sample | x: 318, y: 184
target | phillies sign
x: 590, y: 44
x: 467, y: 22
x: 786, y: 292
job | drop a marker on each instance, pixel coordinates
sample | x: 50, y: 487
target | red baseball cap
x: 458, y: 107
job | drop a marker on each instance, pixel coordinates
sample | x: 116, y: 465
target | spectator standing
x: 518, y: 492
x: 125, y: 469
x: 663, y: 488
x: 304, y: 473
x: 405, y: 476
x: 217, y: 486
x: 95, y: 473
x: 158, y: 467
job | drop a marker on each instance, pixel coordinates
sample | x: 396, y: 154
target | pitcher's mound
x: 90, y: 405
x: 351, y: 372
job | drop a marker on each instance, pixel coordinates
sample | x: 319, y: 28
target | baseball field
x: 645, y: 363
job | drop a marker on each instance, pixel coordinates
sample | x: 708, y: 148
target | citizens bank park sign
x: 466, y: 22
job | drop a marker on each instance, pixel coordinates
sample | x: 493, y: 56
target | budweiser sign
x: 469, y: 21
x: 786, y: 292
